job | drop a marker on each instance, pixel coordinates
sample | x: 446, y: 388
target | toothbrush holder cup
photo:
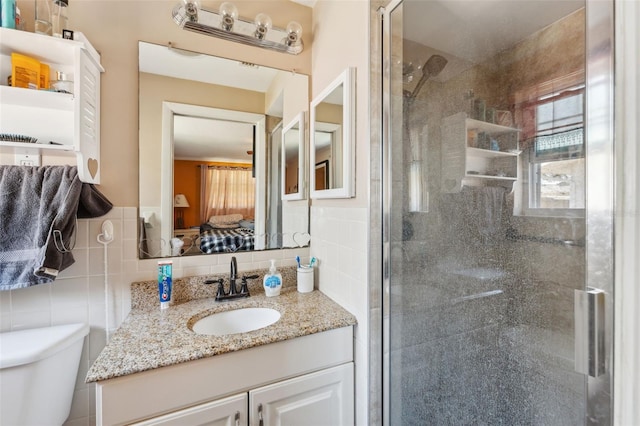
x: 305, y: 279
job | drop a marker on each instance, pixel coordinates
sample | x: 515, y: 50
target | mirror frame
x: 300, y: 122
x: 347, y: 80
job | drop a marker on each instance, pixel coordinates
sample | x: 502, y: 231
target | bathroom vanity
x: 157, y: 371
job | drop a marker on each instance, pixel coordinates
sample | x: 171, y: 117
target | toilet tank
x: 38, y: 369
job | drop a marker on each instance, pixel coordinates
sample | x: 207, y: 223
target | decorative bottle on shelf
x: 59, y: 17
x: 43, y: 16
x: 8, y: 13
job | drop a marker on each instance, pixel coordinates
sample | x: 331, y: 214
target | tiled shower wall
x: 78, y: 294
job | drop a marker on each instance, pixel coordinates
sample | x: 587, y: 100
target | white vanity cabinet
x: 321, y: 398
x: 231, y: 411
x: 307, y: 380
x: 71, y: 121
x: 467, y: 156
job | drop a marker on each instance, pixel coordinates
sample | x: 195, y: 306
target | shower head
x: 434, y: 66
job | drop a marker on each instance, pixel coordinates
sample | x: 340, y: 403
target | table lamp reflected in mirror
x: 180, y: 203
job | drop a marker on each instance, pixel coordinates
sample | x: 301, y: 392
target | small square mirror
x: 332, y: 134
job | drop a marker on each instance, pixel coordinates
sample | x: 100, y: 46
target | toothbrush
x: 298, y: 260
x: 313, y: 260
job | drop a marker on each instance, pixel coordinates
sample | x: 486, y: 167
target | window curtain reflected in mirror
x: 226, y: 190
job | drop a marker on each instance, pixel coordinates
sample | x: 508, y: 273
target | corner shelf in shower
x: 71, y: 121
x: 467, y: 165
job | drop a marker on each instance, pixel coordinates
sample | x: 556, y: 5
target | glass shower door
x: 497, y: 199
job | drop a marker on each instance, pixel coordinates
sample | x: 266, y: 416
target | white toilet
x: 38, y: 369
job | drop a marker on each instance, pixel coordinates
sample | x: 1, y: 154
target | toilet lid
x: 26, y: 346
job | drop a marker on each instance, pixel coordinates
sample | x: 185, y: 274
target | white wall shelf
x: 465, y: 164
x: 71, y: 121
x: 18, y: 96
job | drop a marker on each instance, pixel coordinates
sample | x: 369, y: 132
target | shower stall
x: 497, y: 233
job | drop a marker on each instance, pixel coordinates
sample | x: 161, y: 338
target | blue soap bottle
x: 272, y: 281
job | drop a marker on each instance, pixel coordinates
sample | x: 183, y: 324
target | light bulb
x: 228, y: 13
x: 294, y: 33
x: 191, y: 8
x: 263, y: 24
x: 186, y: 11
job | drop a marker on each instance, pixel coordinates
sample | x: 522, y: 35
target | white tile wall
x: 78, y: 294
x: 340, y: 242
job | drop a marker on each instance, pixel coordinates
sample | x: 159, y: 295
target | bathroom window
x: 553, y: 135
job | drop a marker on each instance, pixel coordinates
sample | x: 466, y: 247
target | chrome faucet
x: 233, y: 293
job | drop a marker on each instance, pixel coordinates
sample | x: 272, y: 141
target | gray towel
x: 38, y: 210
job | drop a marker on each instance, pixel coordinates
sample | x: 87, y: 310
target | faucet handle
x: 220, y: 293
x: 244, y: 289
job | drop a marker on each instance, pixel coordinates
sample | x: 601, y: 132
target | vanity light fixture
x: 227, y: 25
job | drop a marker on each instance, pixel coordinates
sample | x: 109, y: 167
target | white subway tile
x: 84, y: 421
x: 114, y: 214
x: 80, y: 267
x: 192, y: 271
x: 96, y: 261
x: 129, y: 213
x: 82, y: 234
x: 80, y: 405
x: 5, y: 302
x: 5, y: 321
x: 34, y: 298
x: 30, y: 319
x: 69, y: 292
x: 69, y: 315
x: 92, y: 402
x: 85, y: 364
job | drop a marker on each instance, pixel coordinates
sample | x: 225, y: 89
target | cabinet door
x: 231, y: 411
x: 322, y: 398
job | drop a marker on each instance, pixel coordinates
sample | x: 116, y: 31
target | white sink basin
x: 236, y: 321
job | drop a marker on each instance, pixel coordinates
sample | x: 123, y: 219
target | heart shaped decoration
x: 301, y: 238
x: 275, y: 239
x: 92, y: 165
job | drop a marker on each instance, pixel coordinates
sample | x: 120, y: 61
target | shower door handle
x: 589, y: 313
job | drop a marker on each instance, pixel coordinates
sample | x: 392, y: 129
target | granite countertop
x: 150, y: 338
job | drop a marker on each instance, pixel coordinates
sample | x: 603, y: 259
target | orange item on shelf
x: 25, y: 71
x: 44, y: 76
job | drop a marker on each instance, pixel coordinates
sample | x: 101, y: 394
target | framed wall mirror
x: 293, y: 159
x: 208, y: 123
x: 332, y: 139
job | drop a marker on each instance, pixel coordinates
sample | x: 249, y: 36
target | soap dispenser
x: 272, y: 281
